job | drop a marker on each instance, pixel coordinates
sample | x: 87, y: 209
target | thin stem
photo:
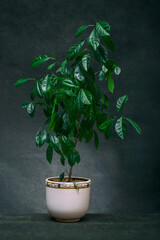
x: 97, y: 72
x: 75, y: 143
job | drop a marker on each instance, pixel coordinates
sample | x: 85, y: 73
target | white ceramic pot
x: 68, y: 201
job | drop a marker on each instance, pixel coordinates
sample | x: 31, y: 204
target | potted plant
x: 75, y: 109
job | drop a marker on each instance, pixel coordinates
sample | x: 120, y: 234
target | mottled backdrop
x: 125, y: 173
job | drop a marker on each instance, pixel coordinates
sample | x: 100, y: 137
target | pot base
x: 67, y: 220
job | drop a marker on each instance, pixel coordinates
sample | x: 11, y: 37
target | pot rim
x: 84, y: 180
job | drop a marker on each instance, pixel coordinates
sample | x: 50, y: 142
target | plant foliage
x: 74, y: 106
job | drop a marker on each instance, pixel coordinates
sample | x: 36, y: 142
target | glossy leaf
x: 21, y: 81
x: 117, y: 70
x: 105, y: 102
x: 104, y: 125
x: 61, y: 177
x: 107, y: 40
x: 38, y: 138
x: 88, y: 135
x: 62, y: 160
x: 108, y: 130
x: 120, y: 103
x: 86, y: 60
x: 49, y: 153
x: 104, y: 69
x: 78, y: 74
x: 81, y: 30
x: 25, y: 104
x: 101, y: 76
x: 100, y: 54
x: 62, y: 70
x: 120, y: 127
x: 39, y: 89
x: 46, y: 86
x: 86, y: 97
x: 93, y: 39
x: 68, y: 83
x: 135, y: 125
x: 51, y: 66
x: 39, y: 60
x: 73, y: 158
x: 96, y: 140
x: 110, y: 83
x: 45, y: 136
x: 103, y: 28
x: 54, y: 140
x: 33, y: 93
x: 31, y: 109
x: 64, y: 63
x: 67, y: 145
x: 74, y: 50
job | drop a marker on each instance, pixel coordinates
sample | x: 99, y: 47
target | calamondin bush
x: 71, y: 99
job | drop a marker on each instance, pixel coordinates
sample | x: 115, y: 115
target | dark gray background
x: 125, y: 173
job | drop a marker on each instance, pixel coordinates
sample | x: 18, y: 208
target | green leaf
x: 64, y: 63
x: 86, y: 97
x: 54, y: 141
x: 21, y: 81
x: 86, y: 60
x: 49, y: 153
x: 117, y: 70
x: 107, y: 40
x: 65, y: 118
x: 88, y: 135
x: 47, y: 113
x: 31, y: 109
x: 67, y: 145
x: 61, y: 177
x: 108, y: 130
x: 101, y: 54
x: 46, y: 86
x: 25, y: 104
x: 101, y: 76
x: 105, y: 102
x: 110, y: 83
x: 74, y: 50
x: 73, y: 158
x: 120, y: 127
x: 100, y: 118
x: 39, y: 60
x: 68, y: 83
x: 104, y: 125
x: 103, y: 28
x: 62, y: 70
x: 33, y: 93
x: 52, y: 122
x: 62, y: 160
x: 45, y: 137
x: 137, y: 128
x: 120, y: 103
x: 78, y: 159
x: 78, y: 74
x: 81, y: 30
x: 93, y: 39
x: 39, y: 89
x: 38, y: 138
x: 104, y: 69
x: 51, y: 66
x: 96, y: 139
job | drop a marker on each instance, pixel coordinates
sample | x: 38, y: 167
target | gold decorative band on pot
x: 77, y: 183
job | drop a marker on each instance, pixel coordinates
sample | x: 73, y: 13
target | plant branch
x: 75, y: 143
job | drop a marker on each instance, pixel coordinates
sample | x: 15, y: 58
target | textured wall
x: 125, y: 173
